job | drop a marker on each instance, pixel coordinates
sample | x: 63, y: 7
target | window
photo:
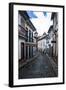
x: 26, y: 35
x: 30, y: 36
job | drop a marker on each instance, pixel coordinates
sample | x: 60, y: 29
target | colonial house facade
x: 25, y: 36
x: 42, y: 43
x: 53, y: 37
x: 50, y: 39
x: 35, y: 38
x: 54, y: 17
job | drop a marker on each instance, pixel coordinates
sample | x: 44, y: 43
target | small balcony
x: 22, y: 32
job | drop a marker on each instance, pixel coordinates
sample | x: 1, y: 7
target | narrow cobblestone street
x: 38, y: 68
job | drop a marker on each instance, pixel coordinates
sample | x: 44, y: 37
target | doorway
x: 22, y: 50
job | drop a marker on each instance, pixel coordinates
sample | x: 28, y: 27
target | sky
x: 41, y: 21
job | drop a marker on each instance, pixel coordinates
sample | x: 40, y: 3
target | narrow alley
x: 38, y: 68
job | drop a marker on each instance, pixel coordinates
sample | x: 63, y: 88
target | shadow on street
x: 38, y: 68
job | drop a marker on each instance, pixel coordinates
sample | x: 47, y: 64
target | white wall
x: 42, y: 44
x: 39, y: 45
x: 50, y: 41
x: 55, y: 26
x: 34, y: 39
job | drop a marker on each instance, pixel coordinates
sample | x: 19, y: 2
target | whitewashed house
x: 25, y: 36
x: 35, y: 34
x: 42, y: 43
x: 50, y: 39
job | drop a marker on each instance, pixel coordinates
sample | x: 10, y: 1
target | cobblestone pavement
x: 38, y: 68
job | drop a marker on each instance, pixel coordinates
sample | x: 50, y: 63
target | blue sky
x: 41, y: 21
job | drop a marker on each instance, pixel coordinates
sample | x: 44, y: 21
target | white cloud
x: 42, y: 23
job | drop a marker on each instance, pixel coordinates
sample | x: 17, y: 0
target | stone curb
x: 54, y: 65
x: 29, y: 60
